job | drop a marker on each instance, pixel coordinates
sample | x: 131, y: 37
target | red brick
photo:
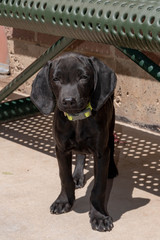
x: 24, y: 35
x: 90, y: 47
x: 46, y: 39
x: 155, y: 57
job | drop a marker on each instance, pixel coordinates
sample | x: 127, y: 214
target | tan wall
x: 137, y: 93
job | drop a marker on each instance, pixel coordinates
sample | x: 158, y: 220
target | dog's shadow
x: 137, y: 157
x: 121, y: 198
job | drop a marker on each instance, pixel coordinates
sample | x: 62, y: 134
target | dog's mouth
x: 76, y: 109
x: 72, y: 110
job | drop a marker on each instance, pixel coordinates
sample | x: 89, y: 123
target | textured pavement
x: 29, y: 183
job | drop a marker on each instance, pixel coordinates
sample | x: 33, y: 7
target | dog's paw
x: 102, y: 225
x: 60, y: 207
x: 100, y: 222
x: 79, y: 181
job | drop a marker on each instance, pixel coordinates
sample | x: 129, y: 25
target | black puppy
x: 80, y: 89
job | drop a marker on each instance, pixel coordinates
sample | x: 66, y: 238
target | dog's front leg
x: 78, y: 174
x: 66, y: 198
x: 99, y: 218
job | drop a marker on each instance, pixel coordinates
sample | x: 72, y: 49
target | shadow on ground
x: 136, y: 153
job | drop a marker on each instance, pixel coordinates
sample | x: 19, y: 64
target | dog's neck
x: 87, y: 112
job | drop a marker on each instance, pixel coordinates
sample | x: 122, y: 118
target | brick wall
x: 41, y: 39
x: 47, y: 40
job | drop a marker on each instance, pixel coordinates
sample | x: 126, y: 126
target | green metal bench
x: 131, y: 26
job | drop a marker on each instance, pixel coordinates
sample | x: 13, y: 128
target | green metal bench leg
x: 142, y: 61
x: 16, y: 109
x: 53, y: 51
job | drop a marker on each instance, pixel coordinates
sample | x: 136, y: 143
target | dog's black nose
x: 69, y: 102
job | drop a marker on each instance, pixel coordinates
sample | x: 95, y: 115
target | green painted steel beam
x: 131, y: 24
x: 53, y: 51
x: 142, y: 61
x: 16, y: 109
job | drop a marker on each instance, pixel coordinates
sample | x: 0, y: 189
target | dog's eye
x: 84, y: 77
x: 56, y: 79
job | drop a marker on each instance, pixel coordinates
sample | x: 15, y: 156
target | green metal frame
x: 142, y: 61
x: 130, y: 26
x: 17, y: 109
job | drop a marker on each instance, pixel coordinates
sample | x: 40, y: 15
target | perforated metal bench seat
x: 130, y: 24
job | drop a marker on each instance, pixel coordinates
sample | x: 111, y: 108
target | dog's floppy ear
x: 41, y: 94
x: 104, y: 85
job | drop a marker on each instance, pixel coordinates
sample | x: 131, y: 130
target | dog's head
x: 72, y: 81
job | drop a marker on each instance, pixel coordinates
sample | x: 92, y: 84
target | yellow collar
x: 87, y: 112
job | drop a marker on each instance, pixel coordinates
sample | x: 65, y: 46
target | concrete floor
x: 29, y: 183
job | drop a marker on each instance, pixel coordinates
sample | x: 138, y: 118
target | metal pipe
x: 17, y: 109
x: 142, y: 61
x: 53, y: 51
